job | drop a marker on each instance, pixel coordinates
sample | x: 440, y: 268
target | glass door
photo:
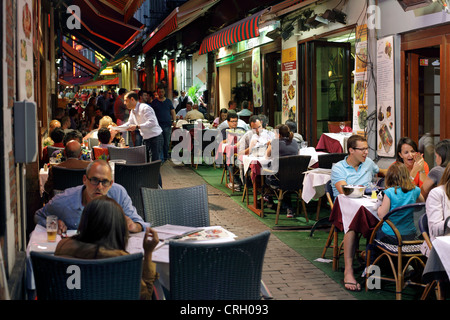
x: 325, y: 74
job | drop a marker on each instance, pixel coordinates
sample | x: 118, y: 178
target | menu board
x: 25, y: 77
x: 256, y: 77
x: 385, y: 98
x: 289, y: 84
x: 360, y: 81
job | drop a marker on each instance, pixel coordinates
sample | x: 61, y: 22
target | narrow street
x: 288, y: 275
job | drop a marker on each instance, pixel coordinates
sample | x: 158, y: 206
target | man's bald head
x: 73, y: 149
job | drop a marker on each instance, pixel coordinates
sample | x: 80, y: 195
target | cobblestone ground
x: 288, y: 275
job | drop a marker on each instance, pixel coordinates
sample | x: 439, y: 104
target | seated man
x: 245, y: 111
x: 240, y: 124
x: 194, y: 114
x: 182, y: 113
x: 69, y: 205
x: 356, y: 168
x: 72, y: 152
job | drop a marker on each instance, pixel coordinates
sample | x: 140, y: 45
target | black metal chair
x: 217, y: 271
x: 400, y: 255
x: 92, y: 142
x: 184, y: 206
x: 52, y: 149
x: 64, y: 178
x: 327, y: 160
x: 61, y: 278
x: 135, y: 176
x: 290, y: 176
x: 132, y: 155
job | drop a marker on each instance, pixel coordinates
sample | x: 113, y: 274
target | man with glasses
x: 356, y: 169
x: 69, y: 205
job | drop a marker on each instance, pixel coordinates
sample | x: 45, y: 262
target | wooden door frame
x: 437, y: 36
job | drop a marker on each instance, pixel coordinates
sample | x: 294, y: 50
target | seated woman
x: 438, y: 208
x: 408, y: 154
x: 221, y: 118
x: 400, y: 191
x: 103, y: 233
x: 442, y: 153
x: 287, y: 147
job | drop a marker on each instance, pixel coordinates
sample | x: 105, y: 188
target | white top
x: 438, y: 209
x: 144, y: 116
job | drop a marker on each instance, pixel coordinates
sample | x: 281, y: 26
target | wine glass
x: 342, y: 126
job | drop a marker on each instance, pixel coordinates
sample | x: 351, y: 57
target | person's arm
x: 134, y: 220
x: 385, y: 207
x: 426, y: 187
x: 174, y: 116
x: 149, y: 274
x: 435, y: 212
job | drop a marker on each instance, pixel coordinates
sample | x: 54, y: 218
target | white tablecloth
x: 341, y: 137
x: 247, y: 160
x: 442, y: 247
x: 310, y: 151
x: 349, y: 207
x: 43, y: 176
x: 314, y: 183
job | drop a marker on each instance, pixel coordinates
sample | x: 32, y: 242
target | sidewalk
x: 287, y: 274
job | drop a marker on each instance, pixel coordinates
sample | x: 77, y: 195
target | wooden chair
x: 133, y: 155
x: 218, y: 271
x: 290, y: 175
x: 117, y: 278
x: 333, y: 126
x: 133, y: 177
x: 184, y: 206
x: 400, y: 255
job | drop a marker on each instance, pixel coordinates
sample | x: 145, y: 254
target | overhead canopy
x: 242, y: 30
x: 105, y: 26
x: 99, y: 83
x: 78, y: 58
x: 64, y: 82
x: 176, y: 20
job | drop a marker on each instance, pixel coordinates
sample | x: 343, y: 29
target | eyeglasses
x: 362, y: 149
x: 233, y: 120
x: 95, y: 181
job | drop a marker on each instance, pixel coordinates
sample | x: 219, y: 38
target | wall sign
x: 25, y: 75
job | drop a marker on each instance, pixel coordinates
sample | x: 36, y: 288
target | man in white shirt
x: 143, y: 118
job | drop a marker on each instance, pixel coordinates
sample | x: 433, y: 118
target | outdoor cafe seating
x: 64, y: 178
x: 132, y: 155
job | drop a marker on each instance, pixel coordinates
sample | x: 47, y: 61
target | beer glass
x: 52, y: 228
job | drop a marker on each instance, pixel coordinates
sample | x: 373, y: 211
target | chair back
x: 333, y: 126
x: 423, y: 227
x: 132, y: 155
x: 246, y: 119
x: 329, y: 194
x: 60, y: 278
x: 64, y: 178
x: 184, y: 206
x: 291, y: 171
x: 51, y: 149
x: 327, y: 160
x: 217, y: 271
x: 100, y: 153
x: 416, y: 209
x: 135, y: 176
x: 92, y: 142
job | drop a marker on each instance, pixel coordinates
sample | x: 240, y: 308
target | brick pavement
x: 288, y: 275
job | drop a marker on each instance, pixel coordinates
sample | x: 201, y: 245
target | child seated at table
x: 400, y: 191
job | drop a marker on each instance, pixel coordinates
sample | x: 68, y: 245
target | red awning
x: 177, y: 19
x: 99, y: 83
x: 64, y: 82
x: 78, y: 58
x: 242, y: 30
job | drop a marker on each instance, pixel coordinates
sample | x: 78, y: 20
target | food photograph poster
x: 25, y: 50
x: 385, y: 98
x: 256, y: 77
x: 289, y: 84
x: 360, y: 82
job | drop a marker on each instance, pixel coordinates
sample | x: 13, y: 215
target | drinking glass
x: 342, y: 126
x: 52, y: 228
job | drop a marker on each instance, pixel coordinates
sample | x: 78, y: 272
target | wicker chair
x: 135, y: 176
x: 64, y: 178
x: 217, y: 271
x: 132, y: 155
x: 290, y: 176
x: 400, y: 255
x: 117, y: 278
x: 184, y: 207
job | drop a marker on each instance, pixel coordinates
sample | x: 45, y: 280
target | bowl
x: 354, y: 191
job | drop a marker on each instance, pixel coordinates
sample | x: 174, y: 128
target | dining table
x: 357, y: 214
x: 314, y: 183
x: 437, y: 266
x: 311, y: 151
x: 43, y: 177
x: 212, y: 234
x: 333, y: 142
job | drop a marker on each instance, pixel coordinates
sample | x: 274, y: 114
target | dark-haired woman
x: 442, y: 156
x: 103, y: 233
x: 407, y: 153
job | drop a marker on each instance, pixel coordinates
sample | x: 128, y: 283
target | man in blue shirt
x: 69, y: 205
x: 356, y: 168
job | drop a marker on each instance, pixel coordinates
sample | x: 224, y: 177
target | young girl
x: 400, y: 191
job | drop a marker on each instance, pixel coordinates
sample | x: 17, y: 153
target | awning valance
x: 242, y: 30
x: 99, y: 83
x: 78, y: 58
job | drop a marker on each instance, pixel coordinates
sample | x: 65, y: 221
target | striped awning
x: 99, y: 83
x: 78, y: 58
x: 242, y: 30
x: 166, y: 27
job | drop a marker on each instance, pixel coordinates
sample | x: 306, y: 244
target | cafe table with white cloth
x: 310, y: 151
x: 438, y: 262
x: 43, y: 177
x: 213, y: 234
x: 333, y: 142
x: 357, y: 214
x: 314, y: 183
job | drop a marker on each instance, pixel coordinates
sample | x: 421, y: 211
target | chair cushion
x: 410, y: 249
